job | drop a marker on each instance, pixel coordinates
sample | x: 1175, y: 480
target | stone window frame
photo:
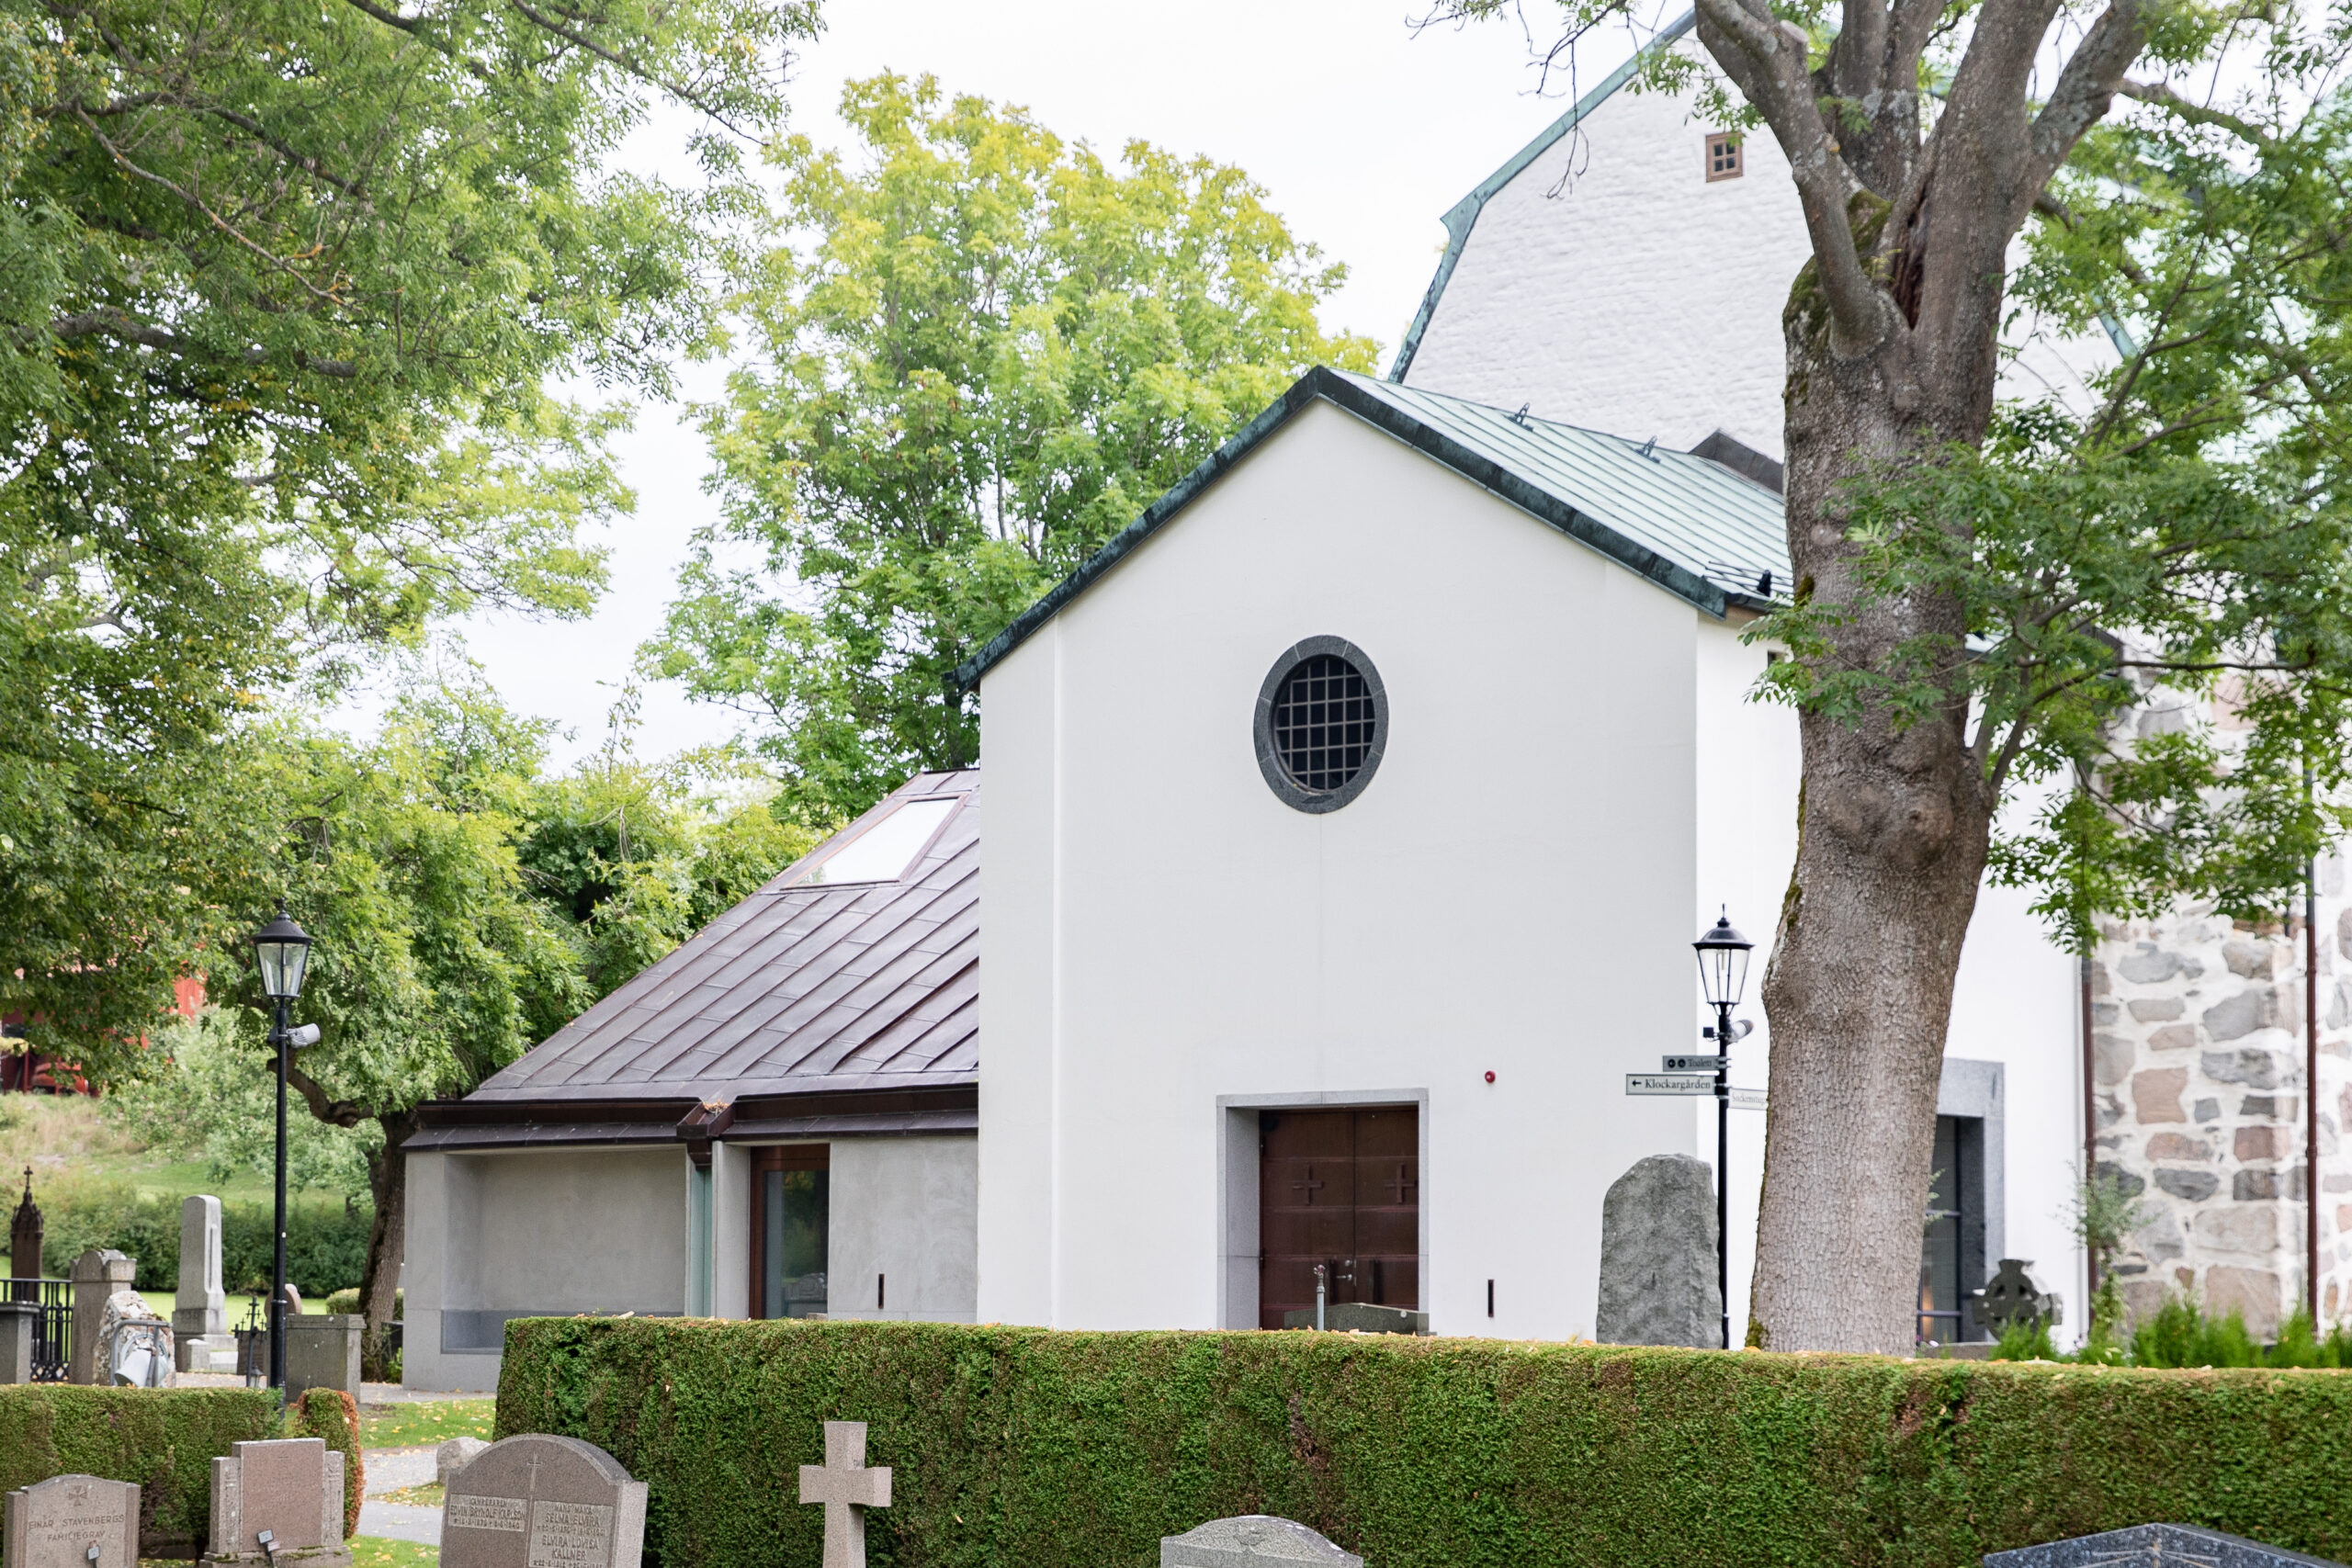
x: 1270, y: 764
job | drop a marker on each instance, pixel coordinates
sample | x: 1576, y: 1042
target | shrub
x: 348, y: 1301
x: 162, y: 1438
x: 1044, y: 1449
x: 329, y: 1414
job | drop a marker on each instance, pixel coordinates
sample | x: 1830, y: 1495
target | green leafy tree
x: 433, y: 964
x: 994, y: 350
x: 282, y: 286
x: 1987, y: 599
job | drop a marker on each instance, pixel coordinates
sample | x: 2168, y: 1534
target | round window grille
x: 1322, y: 720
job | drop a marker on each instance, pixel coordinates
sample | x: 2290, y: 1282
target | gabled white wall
x: 1613, y: 284
x: 1513, y: 892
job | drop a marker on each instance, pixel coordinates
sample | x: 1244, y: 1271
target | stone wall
x: 2198, y: 1070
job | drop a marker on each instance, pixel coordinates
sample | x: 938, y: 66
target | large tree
x: 984, y: 351
x: 1984, y: 593
x: 282, y: 287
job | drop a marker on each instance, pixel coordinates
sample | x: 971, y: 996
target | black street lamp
x: 1722, y: 974
x: 282, y: 952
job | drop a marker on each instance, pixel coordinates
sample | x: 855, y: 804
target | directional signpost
x: 1669, y: 1083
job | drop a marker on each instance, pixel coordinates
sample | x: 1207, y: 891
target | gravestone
x: 2155, y: 1546
x: 200, y: 1312
x: 1253, y: 1540
x: 19, y: 1323
x: 134, y: 1345
x: 539, y: 1501
x: 97, y: 1275
x: 847, y: 1488
x: 2013, y: 1297
x: 25, y: 1242
x: 322, y: 1352
x: 276, y: 1504
x: 454, y: 1456
x: 1657, y: 1257
x: 71, y: 1521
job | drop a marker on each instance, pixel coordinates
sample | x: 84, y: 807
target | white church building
x: 1348, y: 822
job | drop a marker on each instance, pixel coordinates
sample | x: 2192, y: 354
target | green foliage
x: 164, y: 1439
x: 205, y: 1095
x: 2182, y: 1336
x: 1013, y: 1445
x: 347, y: 1301
x: 329, y: 1414
x: 283, y: 287
x: 2025, y: 1342
x: 326, y: 1245
x: 993, y: 352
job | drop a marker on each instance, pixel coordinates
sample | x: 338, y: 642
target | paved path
x: 390, y: 1470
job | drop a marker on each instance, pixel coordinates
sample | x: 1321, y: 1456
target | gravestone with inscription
x: 276, y: 1504
x: 537, y: 1501
x: 1253, y: 1540
x: 2155, y: 1546
x: 71, y: 1521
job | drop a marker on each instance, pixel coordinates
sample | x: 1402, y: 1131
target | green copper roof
x: 1692, y: 527
x: 1459, y: 222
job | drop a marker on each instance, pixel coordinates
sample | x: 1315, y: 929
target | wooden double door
x: 1341, y: 1188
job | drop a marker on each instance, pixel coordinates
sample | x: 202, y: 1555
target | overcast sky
x: 1362, y: 131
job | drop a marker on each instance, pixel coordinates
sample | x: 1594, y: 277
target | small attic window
x: 1723, y: 155
x: 885, y: 848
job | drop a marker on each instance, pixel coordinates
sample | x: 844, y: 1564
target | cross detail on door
x: 847, y: 1488
x: 1400, y: 1184
x: 1307, y: 1184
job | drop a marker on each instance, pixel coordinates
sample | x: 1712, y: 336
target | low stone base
x: 208, y: 1353
x: 336, y: 1556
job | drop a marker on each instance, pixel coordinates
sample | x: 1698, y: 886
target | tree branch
x: 334, y: 1112
x: 2086, y: 88
x: 2164, y: 97
x: 1767, y: 58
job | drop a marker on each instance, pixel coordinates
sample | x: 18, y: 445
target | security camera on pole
x: 282, y: 953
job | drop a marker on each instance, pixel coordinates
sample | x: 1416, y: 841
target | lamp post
x: 282, y: 952
x: 1722, y: 974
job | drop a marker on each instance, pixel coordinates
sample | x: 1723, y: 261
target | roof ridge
x: 1463, y: 215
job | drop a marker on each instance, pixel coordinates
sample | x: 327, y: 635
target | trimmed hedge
x: 1044, y: 1449
x: 162, y: 1438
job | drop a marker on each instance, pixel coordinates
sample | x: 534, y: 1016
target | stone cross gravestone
x: 71, y: 1521
x: 1657, y: 1257
x: 847, y: 1488
x: 540, y: 1501
x: 275, y: 1503
x: 2012, y: 1298
x: 1254, y: 1540
x: 2155, y: 1546
x: 200, y: 1312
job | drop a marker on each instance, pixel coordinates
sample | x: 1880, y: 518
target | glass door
x: 789, y: 1197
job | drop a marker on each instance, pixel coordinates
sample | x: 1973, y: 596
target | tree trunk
x: 388, y: 1179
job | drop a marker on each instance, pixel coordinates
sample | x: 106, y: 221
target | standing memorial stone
x: 71, y: 1521
x: 97, y: 1275
x: 1657, y: 1257
x: 539, y: 1501
x: 847, y: 1488
x: 2155, y: 1546
x: 275, y: 1503
x: 200, y: 1312
x: 1250, y: 1541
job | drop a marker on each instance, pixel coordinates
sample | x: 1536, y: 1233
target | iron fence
x: 53, y: 1332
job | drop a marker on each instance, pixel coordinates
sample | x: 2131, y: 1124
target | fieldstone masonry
x: 71, y: 1521
x: 2198, y: 1051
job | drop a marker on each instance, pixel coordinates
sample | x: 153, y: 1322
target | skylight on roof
x: 885, y: 850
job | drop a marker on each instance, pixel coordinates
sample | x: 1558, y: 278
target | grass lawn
x: 375, y: 1551
x: 413, y: 1422
x: 432, y: 1494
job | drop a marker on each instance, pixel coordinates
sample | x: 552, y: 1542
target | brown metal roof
x: 801, y: 987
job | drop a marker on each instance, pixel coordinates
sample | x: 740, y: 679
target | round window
x: 1322, y: 721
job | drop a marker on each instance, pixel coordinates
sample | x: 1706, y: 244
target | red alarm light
x: 1490, y: 1074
